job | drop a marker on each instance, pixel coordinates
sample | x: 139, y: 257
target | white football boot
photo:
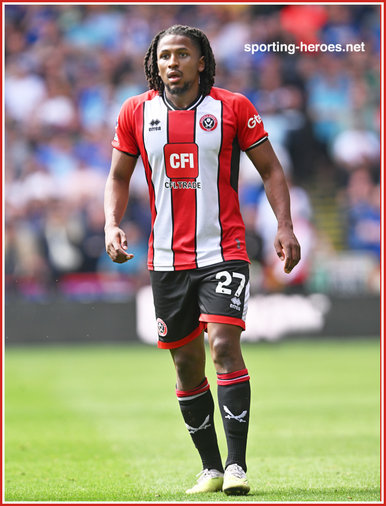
x: 209, y: 480
x: 235, y: 481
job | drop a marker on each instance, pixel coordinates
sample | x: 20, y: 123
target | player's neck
x: 183, y: 100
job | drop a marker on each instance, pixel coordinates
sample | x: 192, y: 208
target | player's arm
x: 115, y: 203
x: 286, y: 245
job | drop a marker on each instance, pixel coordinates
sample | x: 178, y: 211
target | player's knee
x: 225, y: 347
x: 222, y: 350
x: 183, y: 362
x: 189, y: 367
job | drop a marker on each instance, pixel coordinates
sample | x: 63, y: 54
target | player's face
x: 179, y: 64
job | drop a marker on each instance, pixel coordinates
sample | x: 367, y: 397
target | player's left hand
x: 287, y: 248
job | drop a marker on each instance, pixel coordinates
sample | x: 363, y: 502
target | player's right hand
x: 116, y: 245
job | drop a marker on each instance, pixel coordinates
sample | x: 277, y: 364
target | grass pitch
x: 102, y: 423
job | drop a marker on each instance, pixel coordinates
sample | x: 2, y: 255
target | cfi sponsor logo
x: 162, y: 327
x: 181, y: 160
x: 252, y: 122
x: 208, y: 122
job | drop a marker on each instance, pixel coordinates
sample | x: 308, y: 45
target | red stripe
x: 232, y: 225
x: 150, y: 255
x: 212, y: 318
x: 203, y: 387
x: 231, y: 378
x: 185, y: 340
x: 148, y: 174
x: 232, y: 382
x: 181, y: 128
x: 231, y: 375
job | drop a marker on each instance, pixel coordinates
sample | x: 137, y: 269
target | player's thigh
x: 189, y: 361
x: 176, y: 306
x: 224, y: 344
x: 224, y: 293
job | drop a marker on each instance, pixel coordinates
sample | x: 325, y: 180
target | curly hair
x: 200, y: 40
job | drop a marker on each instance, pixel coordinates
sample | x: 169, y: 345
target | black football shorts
x: 186, y: 301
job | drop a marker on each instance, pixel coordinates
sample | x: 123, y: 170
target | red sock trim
x: 232, y: 378
x: 195, y: 392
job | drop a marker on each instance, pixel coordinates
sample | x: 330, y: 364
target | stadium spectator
x: 83, y: 59
x: 273, y: 279
x: 361, y: 208
x: 24, y: 89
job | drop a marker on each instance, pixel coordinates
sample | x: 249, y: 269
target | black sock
x: 234, y: 398
x: 197, y: 408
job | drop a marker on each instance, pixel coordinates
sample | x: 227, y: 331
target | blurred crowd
x: 68, y: 69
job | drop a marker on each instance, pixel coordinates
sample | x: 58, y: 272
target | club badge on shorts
x: 162, y: 327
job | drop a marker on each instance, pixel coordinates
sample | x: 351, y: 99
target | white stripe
x: 208, y: 224
x: 176, y: 109
x: 190, y: 397
x: 246, y: 299
x: 257, y: 142
x: 233, y: 379
x: 195, y: 103
x: 154, y: 144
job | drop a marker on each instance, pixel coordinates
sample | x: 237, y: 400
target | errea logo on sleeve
x: 252, y: 122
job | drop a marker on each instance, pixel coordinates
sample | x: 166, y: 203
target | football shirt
x: 191, y: 159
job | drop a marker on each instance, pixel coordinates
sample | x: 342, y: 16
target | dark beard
x: 178, y: 91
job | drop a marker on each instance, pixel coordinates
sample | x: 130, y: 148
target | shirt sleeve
x: 124, y: 138
x: 250, y: 127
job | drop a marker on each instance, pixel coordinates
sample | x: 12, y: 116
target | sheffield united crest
x: 208, y: 122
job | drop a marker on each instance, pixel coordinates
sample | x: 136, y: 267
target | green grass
x: 102, y: 424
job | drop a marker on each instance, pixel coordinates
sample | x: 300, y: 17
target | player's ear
x: 201, y: 64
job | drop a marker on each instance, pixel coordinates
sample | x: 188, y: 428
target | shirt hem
x: 198, y: 265
x: 125, y: 152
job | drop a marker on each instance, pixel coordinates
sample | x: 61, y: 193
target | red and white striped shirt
x: 191, y: 159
